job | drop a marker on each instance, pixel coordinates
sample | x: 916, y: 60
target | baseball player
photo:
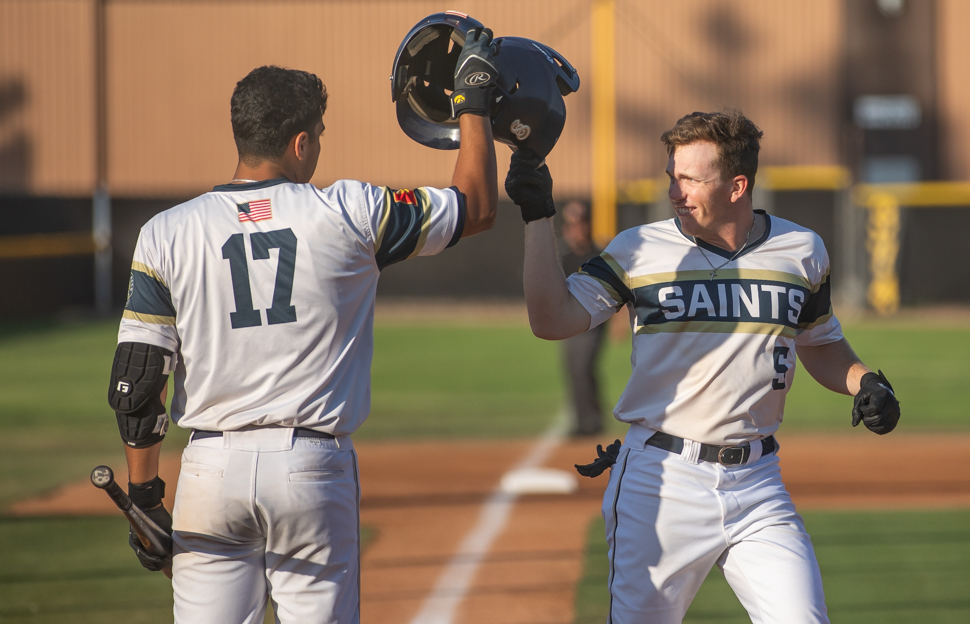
x: 259, y: 295
x: 723, y: 300
x: 580, y: 353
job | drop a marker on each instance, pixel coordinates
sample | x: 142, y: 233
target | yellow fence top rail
x: 917, y: 195
x: 47, y: 245
x: 804, y: 178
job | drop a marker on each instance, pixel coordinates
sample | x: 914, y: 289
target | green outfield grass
x: 80, y: 570
x: 450, y: 381
x: 877, y: 568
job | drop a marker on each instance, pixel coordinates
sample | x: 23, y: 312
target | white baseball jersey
x: 713, y: 358
x: 266, y: 293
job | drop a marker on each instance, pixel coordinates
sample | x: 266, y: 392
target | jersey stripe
x: 722, y: 274
x: 148, y: 318
x: 718, y: 327
x: 150, y: 298
x: 604, y: 269
x: 818, y: 308
x: 403, y: 228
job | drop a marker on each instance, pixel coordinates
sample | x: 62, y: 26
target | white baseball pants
x: 263, y: 514
x: 669, y: 520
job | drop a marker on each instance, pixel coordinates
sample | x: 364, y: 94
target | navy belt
x: 298, y: 432
x: 724, y: 455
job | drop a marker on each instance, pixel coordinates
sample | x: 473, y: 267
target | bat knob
x: 102, y: 477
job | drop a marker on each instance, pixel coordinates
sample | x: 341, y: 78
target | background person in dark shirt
x: 579, y: 353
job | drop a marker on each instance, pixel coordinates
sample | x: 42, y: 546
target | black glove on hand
x: 148, y: 497
x: 529, y: 185
x: 475, y: 74
x: 605, y: 460
x: 876, y: 405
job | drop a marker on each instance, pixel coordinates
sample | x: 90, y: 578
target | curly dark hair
x: 737, y: 139
x: 270, y: 106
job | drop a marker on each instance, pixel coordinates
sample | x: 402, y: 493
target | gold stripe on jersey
x: 154, y: 319
x: 147, y: 270
x: 424, y: 200
x: 615, y: 266
x: 722, y: 274
x: 718, y: 327
x: 382, y: 226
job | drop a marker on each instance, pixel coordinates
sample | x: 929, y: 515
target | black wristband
x: 147, y: 495
x: 476, y: 101
x: 538, y: 210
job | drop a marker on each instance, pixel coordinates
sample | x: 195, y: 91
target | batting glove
x: 148, y: 497
x: 475, y: 75
x: 876, y: 406
x: 529, y: 185
x: 605, y: 460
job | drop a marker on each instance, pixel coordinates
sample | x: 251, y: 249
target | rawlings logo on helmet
x: 520, y: 130
x: 478, y: 78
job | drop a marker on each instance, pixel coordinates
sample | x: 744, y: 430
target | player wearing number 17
x: 259, y: 295
x: 722, y: 298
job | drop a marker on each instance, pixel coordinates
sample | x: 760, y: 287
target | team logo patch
x: 478, y: 78
x: 459, y: 98
x: 520, y: 130
x: 258, y: 210
x: 405, y: 196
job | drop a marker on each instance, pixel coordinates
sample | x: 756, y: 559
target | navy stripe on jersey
x: 404, y: 223
x: 599, y: 269
x: 735, y: 304
x: 149, y: 299
x: 460, y: 227
x: 818, y: 308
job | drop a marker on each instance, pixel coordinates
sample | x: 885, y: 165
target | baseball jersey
x: 265, y: 292
x: 713, y: 357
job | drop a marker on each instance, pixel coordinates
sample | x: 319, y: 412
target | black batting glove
x: 605, y: 460
x: 475, y: 74
x: 529, y: 185
x: 876, y: 406
x: 148, y: 497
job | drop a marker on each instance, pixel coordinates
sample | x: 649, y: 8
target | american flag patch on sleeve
x: 257, y: 210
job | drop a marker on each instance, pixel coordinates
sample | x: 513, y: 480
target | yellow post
x: 604, y: 122
x: 883, y: 246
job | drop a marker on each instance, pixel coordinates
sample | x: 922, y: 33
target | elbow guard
x: 138, y: 375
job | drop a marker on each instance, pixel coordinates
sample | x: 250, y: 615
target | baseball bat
x: 153, y: 537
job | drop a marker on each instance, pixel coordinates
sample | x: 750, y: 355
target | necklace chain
x: 715, y: 269
x: 243, y: 181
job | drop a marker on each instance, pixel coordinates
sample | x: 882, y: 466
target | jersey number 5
x: 235, y: 252
x: 781, y: 368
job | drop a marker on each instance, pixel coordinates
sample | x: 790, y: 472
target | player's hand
x: 876, y: 406
x: 162, y: 518
x: 475, y: 74
x: 529, y: 185
x: 605, y: 460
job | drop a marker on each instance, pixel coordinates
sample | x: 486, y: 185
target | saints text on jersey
x: 736, y: 301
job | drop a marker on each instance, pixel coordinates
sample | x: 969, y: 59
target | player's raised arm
x: 475, y: 172
x: 554, y: 313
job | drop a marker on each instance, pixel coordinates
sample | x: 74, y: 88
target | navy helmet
x: 527, y: 108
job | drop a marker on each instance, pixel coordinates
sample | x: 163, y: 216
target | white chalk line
x: 454, y: 581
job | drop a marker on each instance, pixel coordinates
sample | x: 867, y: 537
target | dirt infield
x: 423, y: 497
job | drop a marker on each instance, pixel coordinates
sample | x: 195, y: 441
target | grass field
x: 453, y: 381
x: 877, y: 567
x: 465, y: 381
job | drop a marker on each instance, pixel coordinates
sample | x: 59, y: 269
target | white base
x: 539, y: 481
